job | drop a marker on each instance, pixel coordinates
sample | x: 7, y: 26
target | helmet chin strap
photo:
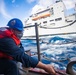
x: 19, y: 35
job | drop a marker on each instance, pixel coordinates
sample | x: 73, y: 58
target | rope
x: 61, y: 73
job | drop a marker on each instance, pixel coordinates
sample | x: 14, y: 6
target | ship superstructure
x: 51, y: 20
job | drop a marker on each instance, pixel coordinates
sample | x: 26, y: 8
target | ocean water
x: 56, y: 50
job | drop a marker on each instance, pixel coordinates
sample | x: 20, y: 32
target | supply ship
x: 51, y: 20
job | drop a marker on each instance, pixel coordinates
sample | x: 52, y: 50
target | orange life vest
x: 6, y: 32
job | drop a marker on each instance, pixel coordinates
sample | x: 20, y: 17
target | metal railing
x: 37, y: 39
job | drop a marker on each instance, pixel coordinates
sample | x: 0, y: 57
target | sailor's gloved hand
x: 48, y: 68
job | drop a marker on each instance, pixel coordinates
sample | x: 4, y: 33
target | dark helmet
x: 15, y: 24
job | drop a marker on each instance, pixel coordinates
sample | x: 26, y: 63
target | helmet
x: 15, y: 24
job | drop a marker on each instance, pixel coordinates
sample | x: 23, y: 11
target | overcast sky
x: 24, y: 8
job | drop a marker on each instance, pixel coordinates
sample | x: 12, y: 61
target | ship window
x: 45, y: 22
x: 57, y: 19
x: 52, y: 24
x: 57, y: 1
x: 51, y: 20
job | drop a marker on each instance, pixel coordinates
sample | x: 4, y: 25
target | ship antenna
x: 75, y: 11
x: 64, y: 6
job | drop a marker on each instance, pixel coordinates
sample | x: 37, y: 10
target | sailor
x: 12, y: 51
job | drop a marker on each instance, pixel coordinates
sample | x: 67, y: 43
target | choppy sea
x: 55, y: 50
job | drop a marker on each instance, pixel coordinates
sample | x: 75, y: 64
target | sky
x: 22, y: 9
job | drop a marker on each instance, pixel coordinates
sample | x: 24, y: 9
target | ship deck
x: 37, y: 71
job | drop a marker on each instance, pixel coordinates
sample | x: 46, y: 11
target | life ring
x: 70, y: 65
